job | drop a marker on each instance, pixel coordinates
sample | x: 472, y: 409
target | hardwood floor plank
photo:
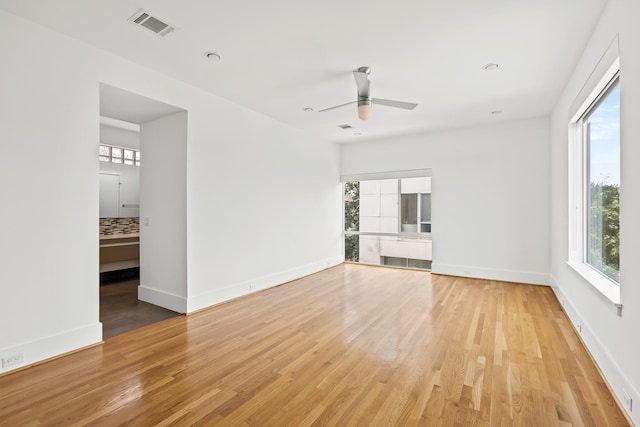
x: 352, y: 345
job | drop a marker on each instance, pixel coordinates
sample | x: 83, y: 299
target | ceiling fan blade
x: 337, y: 106
x: 396, y: 104
x: 362, y: 82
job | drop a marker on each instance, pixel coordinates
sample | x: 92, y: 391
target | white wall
x: 263, y: 206
x: 612, y: 340
x: 129, y: 186
x: 490, y: 195
x: 261, y: 197
x: 163, y: 213
x: 110, y: 135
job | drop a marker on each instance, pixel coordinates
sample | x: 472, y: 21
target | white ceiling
x: 129, y: 107
x: 281, y: 56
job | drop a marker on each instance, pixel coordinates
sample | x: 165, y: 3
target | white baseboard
x: 491, y: 274
x: 236, y: 290
x: 54, y: 345
x: 613, y: 374
x: 164, y: 299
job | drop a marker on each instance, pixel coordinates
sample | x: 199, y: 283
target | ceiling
x: 281, y: 56
x: 129, y: 107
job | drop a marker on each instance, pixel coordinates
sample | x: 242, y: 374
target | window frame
x: 578, y: 187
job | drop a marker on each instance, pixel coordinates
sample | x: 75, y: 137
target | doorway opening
x: 130, y: 188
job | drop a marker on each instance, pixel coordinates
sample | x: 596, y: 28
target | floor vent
x: 151, y: 23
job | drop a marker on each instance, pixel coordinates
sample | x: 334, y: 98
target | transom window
x: 127, y: 156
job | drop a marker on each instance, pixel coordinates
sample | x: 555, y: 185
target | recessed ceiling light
x: 496, y: 112
x: 357, y: 134
x: 308, y: 109
x: 212, y: 56
x: 490, y: 66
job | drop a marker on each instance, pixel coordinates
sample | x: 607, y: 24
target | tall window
x: 594, y: 190
x: 351, y: 220
x: 601, y: 133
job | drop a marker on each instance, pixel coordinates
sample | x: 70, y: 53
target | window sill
x: 405, y: 235
x: 604, y: 285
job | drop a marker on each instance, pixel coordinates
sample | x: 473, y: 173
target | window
x: 105, y: 153
x: 388, y: 221
x: 129, y: 157
x: 108, y: 153
x: 351, y: 220
x: 602, y: 183
x: 415, y: 205
x: 406, y: 262
x: 595, y: 187
x: 116, y: 155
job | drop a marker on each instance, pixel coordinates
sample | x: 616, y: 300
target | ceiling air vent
x: 345, y: 126
x: 144, y: 19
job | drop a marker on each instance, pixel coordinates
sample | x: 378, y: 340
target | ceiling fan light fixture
x: 364, y: 109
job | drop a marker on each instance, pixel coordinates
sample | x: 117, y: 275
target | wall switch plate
x: 12, y: 360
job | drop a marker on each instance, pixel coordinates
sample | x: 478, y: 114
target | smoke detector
x: 151, y: 23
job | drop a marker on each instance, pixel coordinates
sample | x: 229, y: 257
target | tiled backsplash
x: 110, y: 226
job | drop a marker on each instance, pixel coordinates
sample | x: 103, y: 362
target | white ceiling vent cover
x: 144, y: 19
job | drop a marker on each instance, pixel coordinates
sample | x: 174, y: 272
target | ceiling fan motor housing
x: 364, y: 98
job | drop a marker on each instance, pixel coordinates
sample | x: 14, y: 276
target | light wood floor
x: 353, y: 345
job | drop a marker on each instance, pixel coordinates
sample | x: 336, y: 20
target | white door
x: 109, y: 195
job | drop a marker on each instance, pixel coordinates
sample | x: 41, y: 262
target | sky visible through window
x: 605, y: 140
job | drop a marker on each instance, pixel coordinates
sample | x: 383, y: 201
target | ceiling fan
x: 364, y: 96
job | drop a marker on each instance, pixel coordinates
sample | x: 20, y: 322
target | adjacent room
x: 129, y: 122
x: 339, y: 213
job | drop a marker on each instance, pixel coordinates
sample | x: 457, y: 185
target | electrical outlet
x: 579, y: 327
x: 12, y: 360
x: 627, y: 400
x: 466, y: 272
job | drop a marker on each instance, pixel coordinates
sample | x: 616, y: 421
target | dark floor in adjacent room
x: 121, y: 311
